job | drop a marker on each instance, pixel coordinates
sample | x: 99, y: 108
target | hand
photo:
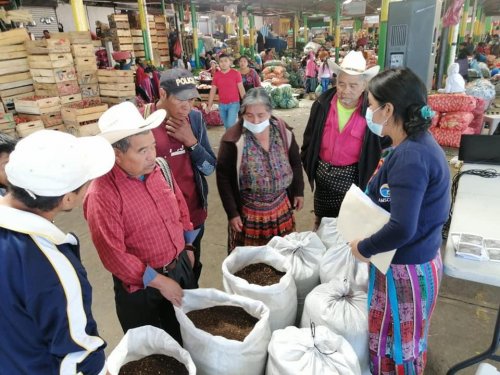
x: 190, y: 254
x: 236, y: 224
x: 356, y: 253
x: 168, y: 289
x: 180, y: 129
x: 298, y: 203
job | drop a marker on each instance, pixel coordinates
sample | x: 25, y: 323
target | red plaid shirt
x: 135, y: 223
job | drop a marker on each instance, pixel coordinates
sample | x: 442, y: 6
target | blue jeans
x: 324, y: 84
x: 229, y: 113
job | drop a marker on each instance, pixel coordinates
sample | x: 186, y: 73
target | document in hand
x: 359, y: 218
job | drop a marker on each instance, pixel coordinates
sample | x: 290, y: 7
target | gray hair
x: 256, y: 96
x: 124, y: 144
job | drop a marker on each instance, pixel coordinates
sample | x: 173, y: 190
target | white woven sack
x: 281, y: 298
x: 295, y: 351
x: 328, y: 233
x: 144, y: 341
x: 344, y: 310
x: 304, y: 251
x: 216, y: 355
x: 339, y: 262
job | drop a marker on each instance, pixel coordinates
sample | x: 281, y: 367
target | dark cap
x: 180, y: 83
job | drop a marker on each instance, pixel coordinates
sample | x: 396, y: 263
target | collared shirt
x: 135, y: 223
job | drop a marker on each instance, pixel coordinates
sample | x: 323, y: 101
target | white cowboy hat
x: 123, y: 120
x: 354, y: 64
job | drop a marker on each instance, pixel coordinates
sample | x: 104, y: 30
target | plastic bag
x: 328, y: 233
x: 281, y: 298
x: 216, y: 355
x: 310, y: 351
x: 344, y: 310
x: 144, y: 341
x: 311, y: 46
x: 304, y: 251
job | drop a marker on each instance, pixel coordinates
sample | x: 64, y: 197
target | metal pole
x: 240, y: 33
x: 487, y: 25
x: 382, y: 34
x: 463, y: 22
x: 251, y: 19
x: 295, y: 30
x: 194, y: 22
x: 143, y: 15
x: 442, y: 56
x: 181, y: 22
x: 473, y: 19
x: 79, y: 15
x: 453, y: 44
x: 306, y: 33
x: 338, y: 7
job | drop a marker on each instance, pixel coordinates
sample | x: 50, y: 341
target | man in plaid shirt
x: 137, y: 222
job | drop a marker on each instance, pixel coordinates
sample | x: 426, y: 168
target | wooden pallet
x: 12, y: 37
x: 37, y: 106
x: 83, y: 50
x: 50, y: 61
x: 46, y: 46
x: 57, y: 89
x: 53, y: 75
x: 13, y: 66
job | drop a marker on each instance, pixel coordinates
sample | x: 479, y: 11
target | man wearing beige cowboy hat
x: 137, y: 217
x: 338, y: 149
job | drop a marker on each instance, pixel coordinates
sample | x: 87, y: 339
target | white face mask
x: 256, y: 128
x: 375, y: 127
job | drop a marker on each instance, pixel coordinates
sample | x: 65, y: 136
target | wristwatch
x: 193, y: 147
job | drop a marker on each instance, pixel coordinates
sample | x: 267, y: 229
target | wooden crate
x: 46, y: 46
x: 48, y: 119
x: 153, y: 32
x: 115, y: 73
x: 75, y: 37
x: 14, y: 84
x: 53, y: 75
x: 117, y: 86
x: 60, y: 128
x: 137, y: 40
x: 136, y: 33
x: 83, y: 131
x: 124, y: 47
x: 97, y: 43
x: 112, y: 100
x: 162, y: 45
x: 83, y: 50
x: 13, y: 66
x: 114, y: 93
x: 7, y: 122
x: 87, y: 77
x: 13, y: 52
x: 119, y: 25
x: 15, y: 36
x: 57, y: 89
x: 86, y: 63
x: 4, y: 94
x: 50, y: 61
x: 24, y: 129
x: 120, y: 33
x: 158, y: 18
x: 139, y: 53
x: 117, y: 17
x: 37, y: 106
x: 122, y: 40
x: 9, y: 102
x: 81, y: 114
x: 71, y: 99
x: 15, y: 77
x: 89, y: 90
x: 139, y: 47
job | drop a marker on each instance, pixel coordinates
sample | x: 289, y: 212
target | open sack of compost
x: 144, y: 341
x: 280, y: 298
x: 310, y: 351
x: 304, y: 252
x: 215, y: 354
x: 343, y: 309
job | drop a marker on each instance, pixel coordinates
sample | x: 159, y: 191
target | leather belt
x: 167, y: 267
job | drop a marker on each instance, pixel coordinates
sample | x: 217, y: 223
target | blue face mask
x: 373, y: 126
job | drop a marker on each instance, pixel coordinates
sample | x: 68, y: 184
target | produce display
x: 281, y: 96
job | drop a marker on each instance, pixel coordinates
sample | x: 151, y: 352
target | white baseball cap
x: 51, y: 163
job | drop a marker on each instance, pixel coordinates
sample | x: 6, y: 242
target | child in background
x: 324, y: 73
x: 229, y: 84
x: 311, y: 71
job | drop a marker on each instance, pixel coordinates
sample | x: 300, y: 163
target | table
x: 476, y: 211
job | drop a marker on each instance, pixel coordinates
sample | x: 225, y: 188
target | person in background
x: 249, y: 76
x: 229, y: 84
x: 46, y: 314
x: 311, y: 72
x: 46, y: 34
x: 177, y: 63
x: 463, y: 63
x: 208, y: 59
x: 182, y: 140
x: 412, y: 182
x: 338, y: 149
x: 455, y: 84
x: 214, y: 67
x: 259, y: 174
x: 268, y: 55
x: 257, y: 63
x: 7, y: 145
x: 324, y: 72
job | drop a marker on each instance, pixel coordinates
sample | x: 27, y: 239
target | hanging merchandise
x: 310, y: 351
x: 178, y: 48
x: 280, y: 298
x: 304, y: 251
x: 216, y: 355
x: 145, y: 341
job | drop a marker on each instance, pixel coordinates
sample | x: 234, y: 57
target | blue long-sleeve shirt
x: 413, y: 184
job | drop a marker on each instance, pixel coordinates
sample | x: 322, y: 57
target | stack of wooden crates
x: 138, y: 42
x: 37, y: 114
x: 7, y: 123
x: 116, y: 86
x: 15, y: 78
x: 162, y: 29
x: 120, y: 32
x: 81, y: 118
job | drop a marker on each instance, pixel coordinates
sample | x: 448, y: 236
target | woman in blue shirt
x: 412, y: 182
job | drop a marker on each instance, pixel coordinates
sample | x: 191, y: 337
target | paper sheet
x: 359, y: 218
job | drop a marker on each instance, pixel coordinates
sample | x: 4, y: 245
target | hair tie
x: 426, y: 112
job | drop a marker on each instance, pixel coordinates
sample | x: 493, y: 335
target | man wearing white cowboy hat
x: 338, y: 149
x: 45, y: 316
x: 137, y: 221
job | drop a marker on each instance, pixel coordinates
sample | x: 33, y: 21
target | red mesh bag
x: 452, y: 103
x: 447, y: 137
x: 458, y: 120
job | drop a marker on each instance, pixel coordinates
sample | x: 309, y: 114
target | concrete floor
x: 462, y: 324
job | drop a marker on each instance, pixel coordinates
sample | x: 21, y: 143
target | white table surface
x: 476, y: 211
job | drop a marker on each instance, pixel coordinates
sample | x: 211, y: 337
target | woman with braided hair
x: 412, y: 182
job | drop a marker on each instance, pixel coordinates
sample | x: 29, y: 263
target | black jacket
x: 370, y: 152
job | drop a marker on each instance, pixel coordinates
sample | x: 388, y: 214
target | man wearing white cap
x: 137, y: 222
x: 338, y: 149
x: 46, y: 321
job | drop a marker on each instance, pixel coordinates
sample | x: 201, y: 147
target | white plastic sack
x: 294, y: 351
x: 339, y: 262
x: 281, y: 298
x: 144, y: 341
x: 344, y: 310
x: 216, y: 355
x: 311, y: 46
x: 304, y: 251
x: 328, y: 233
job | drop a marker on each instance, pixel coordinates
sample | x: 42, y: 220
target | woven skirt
x: 262, y: 221
x: 400, y: 308
x: 331, y: 185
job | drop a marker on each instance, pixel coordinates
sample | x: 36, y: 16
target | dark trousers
x: 197, y: 252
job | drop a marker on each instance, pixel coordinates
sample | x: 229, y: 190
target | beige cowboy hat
x: 354, y: 64
x: 124, y: 120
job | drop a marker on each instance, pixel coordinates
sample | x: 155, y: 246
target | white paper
x: 359, y: 218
